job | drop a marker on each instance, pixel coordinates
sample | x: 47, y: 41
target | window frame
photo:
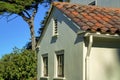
x: 45, y: 65
x: 60, y: 63
x: 93, y: 3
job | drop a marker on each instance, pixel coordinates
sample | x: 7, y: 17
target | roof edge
x: 45, y: 27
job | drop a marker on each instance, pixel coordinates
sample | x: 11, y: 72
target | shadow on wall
x: 79, y: 38
x: 73, y: 27
x: 112, y: 69
x: 54, y: 39
x: 68, y: 22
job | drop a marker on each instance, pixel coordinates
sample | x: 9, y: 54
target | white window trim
x: 56, y: 67
x: 59, y: 78
x: 42, y: 66
x: 44, y: 78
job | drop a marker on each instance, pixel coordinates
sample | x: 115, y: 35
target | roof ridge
x: 108, y: 8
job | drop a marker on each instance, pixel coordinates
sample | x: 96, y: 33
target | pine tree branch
x: 35, y: 10
x: 27, y: 14
x: 23, y: 16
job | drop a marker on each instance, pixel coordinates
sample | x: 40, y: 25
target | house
x: 80, y: 42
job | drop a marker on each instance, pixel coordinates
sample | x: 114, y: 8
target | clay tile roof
x: 92, y: 18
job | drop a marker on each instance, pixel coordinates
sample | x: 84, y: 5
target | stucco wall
x: 66, y: 40
x: 104, y: 64
x: 109, y: 3
x: 104, y: 60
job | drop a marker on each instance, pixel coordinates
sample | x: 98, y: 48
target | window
x: 92, y: 3
x: 60, y: 63
x: 45, y: 65
x: 55, y: 27
x: 60, y: 0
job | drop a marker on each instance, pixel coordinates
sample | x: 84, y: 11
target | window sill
x: 55, y: 35
x: 59, y: 78
x: 44, y: 78
x: 80, y: 32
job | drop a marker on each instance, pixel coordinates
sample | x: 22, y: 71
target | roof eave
x: 45, y: 27
x: 99, y: 35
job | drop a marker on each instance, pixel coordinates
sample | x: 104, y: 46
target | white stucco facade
x: 66, y: 40
x: 104, y: 64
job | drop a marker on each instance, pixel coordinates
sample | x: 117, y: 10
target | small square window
x: 92, y: 3
x: 59, y: 0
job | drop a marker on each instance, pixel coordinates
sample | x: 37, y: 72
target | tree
x: 28, y: 46
x: 27, y: 9
x: 18, y: 65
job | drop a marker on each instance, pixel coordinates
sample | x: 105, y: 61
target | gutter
x: 89, y: 45
x: 87, y: 57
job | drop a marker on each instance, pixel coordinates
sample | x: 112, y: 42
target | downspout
x: 87, y: 57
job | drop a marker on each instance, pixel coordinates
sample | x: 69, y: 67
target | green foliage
x: 15, y: 6
x: 19, y: 65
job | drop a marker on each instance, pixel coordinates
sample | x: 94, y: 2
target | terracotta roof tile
x: 85, y: 27
x: 75, y: 13
x: 92, y: 18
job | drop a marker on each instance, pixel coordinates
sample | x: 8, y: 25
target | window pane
x: 92, y: 3
x: 60, y: 59
x: 45, y: 62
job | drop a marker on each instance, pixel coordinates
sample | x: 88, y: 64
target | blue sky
x: 16, y: 33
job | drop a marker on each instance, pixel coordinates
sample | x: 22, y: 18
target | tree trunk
x: 30, y: 20
x: 32, y: 32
